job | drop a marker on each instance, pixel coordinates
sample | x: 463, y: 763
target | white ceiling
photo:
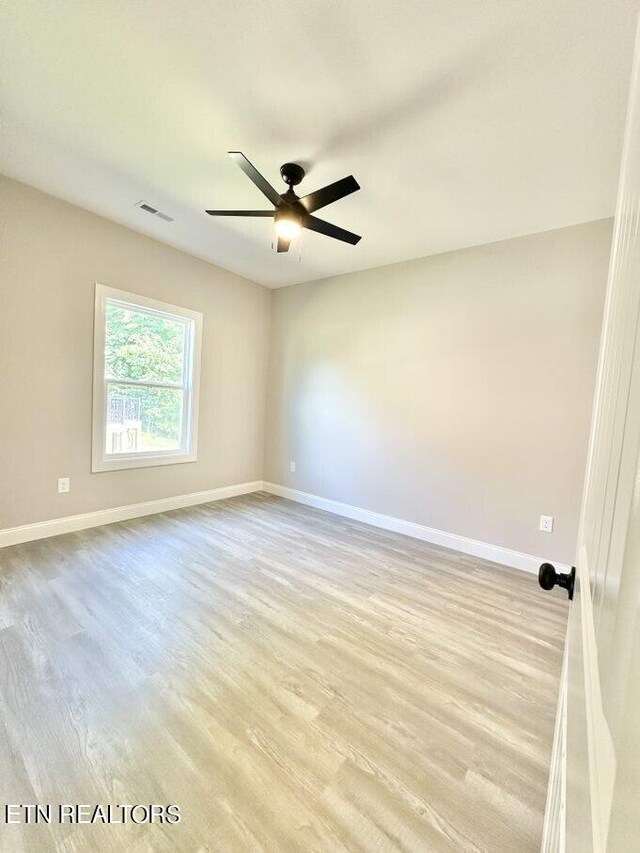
x: 464, y: 121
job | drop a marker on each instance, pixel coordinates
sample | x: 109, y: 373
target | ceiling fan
x: 292, y: 213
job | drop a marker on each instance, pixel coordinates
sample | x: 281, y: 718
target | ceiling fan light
x: 288, y: 227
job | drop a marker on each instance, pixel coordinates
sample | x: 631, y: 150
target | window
x: 145, y: 381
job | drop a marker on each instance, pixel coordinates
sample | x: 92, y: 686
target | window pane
x: 144, y: 346
x: 142, y: 419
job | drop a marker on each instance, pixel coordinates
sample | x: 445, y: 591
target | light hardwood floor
x: 292, y: 680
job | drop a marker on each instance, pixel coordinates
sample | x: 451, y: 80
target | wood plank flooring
x: 294, y: 681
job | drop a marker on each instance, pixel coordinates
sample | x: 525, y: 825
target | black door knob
x: 548, y: 578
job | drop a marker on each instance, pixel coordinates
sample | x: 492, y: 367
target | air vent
x: 143, y: 205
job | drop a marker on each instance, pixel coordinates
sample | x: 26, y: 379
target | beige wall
x: 453, y: 391
x: 51, y: 253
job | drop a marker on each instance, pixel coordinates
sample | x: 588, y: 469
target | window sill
x: 148, y: 460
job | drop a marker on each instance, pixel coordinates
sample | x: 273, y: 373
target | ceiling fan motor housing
x: 291, y: 173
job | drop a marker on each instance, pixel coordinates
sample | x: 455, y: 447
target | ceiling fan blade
x: 251, y: 172
x: 322, y: 227
x: 283, y: 245
x: 329, y: 194
x: 240, y: 212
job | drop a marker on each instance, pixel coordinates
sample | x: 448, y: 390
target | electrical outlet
x: 292, y: 467
x: 64, y: 485
x: 546, y: 523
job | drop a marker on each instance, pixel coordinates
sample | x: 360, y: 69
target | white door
x: 594, y: 793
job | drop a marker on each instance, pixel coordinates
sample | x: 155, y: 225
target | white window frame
x: 103, y: 461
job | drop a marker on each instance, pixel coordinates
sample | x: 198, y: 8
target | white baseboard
x: 56, y: 526
x: 495, y: 553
